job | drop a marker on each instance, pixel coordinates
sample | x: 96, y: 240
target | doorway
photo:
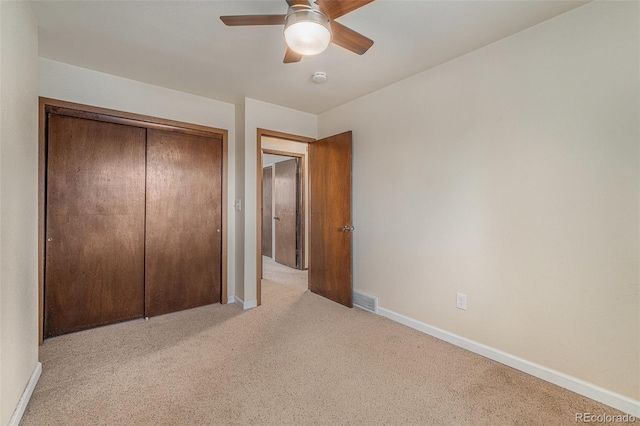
x: 284, y: 211
x: 329, y: 242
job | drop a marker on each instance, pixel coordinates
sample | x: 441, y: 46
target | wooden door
x: 184, y: 221
x: 286, y: 211
x: 331, y: 257
x: 94, y: 235
x: 267, y: 211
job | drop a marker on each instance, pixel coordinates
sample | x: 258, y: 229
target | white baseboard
x: 16, y: 418
x: 231, y: 299
x: 597, y: 393
x: 238, y: 301
x: 245, y: 305
x: 250, y: 304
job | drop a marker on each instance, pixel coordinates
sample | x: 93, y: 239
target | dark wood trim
x: 303, y: 214
x: 259, y: 219
x: 225, y: 230
x: 259, y: 135
x: 42, y: 167
x: 284, y: 153
x: 285, y: 136
x: 127, y: 121
x: 141, y: 120
x: 303, y: 193
x: 54, y: 106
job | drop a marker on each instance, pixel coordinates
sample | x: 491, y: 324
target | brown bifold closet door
x: 94, y: 236
x: 184, y: 221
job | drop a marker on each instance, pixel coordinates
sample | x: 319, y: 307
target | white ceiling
x: 183, y: 45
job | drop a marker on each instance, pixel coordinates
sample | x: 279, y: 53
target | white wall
x: 70, y: 83
x: 262, y: 115
x: 239, y: 214
x: 270, y: 159
x: 19, y: 203
x: 298, y: 148
x: 511, y: 174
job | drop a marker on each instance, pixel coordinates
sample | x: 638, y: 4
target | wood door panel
x: 94, y: 265
x: 267, y: 211
x: 184, y: 221
x: 285, y: 211
x: 331, y: 258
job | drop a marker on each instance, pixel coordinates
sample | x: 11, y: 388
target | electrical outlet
x: 461, y: 301
x: 238, y: 205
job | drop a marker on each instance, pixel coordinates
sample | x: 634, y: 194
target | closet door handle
x: 276, y: 218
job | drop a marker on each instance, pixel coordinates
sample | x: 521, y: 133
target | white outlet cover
x: 461, y: 301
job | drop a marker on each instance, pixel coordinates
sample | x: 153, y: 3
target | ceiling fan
x: 310, y: 26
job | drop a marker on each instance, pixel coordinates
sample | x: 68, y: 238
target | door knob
x: 347, y: 228
x: 49, y: 239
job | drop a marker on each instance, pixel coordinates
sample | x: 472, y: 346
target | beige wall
x: 299, y: 148
x: 18, y: 201
x: 262, y: 115
x: 70, y: 83
x: 511, y: 174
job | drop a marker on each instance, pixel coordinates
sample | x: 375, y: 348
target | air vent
x: 364, y: 301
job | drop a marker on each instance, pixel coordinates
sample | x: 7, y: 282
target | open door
x: 286, y: 212
x: 267, y: 211
x: 331, y: 228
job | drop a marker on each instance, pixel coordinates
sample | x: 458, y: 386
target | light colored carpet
x: 276, y: 272
x: 298, y: 359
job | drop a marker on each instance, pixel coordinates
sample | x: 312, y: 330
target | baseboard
x: 245, y: 305
x: 231, y: 299
x: 250, y: 304
x: 238, y: 301
x: 597, y: 393
x: 16, y: 418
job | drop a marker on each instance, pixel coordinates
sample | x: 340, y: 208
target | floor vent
x: 364, y: 301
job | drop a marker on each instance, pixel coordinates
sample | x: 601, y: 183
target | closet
x: 133, y: 219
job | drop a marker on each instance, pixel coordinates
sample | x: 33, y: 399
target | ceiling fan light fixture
x: 307, y: 31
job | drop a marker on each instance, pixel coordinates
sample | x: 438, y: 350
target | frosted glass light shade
x: 307, y: 32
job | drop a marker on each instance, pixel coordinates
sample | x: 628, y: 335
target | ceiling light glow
x: 307, y: 31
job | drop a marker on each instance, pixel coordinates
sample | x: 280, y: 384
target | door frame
x: 48, y: 105
x: 300, y: 237
x: 279, y: 135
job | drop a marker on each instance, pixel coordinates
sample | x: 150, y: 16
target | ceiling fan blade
x: 238, y: 20
x: 336, y: 8
x: 291, y: 56
x: 349, y: 39
x: 298, y: 2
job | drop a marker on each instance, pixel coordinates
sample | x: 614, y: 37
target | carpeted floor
x: 276, y: 272
x: 298, y: 359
